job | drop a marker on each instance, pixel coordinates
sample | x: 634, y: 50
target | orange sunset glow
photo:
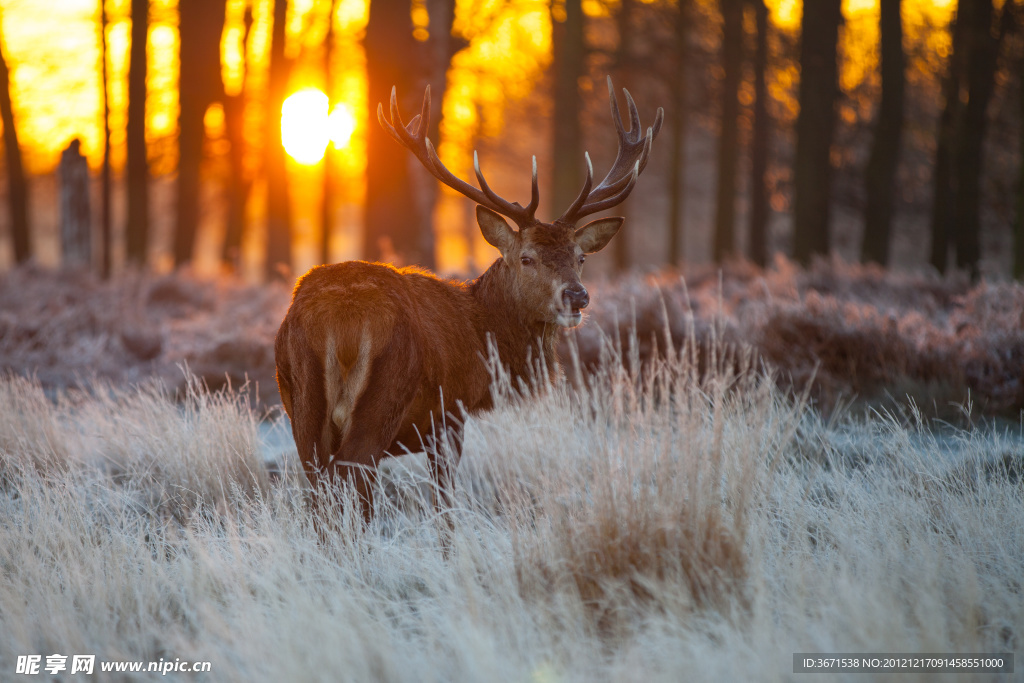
x: 506, y: 50
x: 55, y: 56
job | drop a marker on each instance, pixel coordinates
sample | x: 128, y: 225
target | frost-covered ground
x: 679, y: 525
x: 681, y: 515
x: 857, y: 335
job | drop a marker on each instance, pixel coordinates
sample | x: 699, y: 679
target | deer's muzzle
x: 576, y: 297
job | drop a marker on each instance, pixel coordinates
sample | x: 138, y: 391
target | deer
x: 369, y: 356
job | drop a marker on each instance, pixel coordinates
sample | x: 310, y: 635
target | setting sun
x: 304, y: 129
x: 340, y: 126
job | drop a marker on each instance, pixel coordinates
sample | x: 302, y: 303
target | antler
x: 414, y: 137
x: 634, y: 148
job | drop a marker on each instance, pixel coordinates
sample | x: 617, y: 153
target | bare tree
x: 815, y: 127
x: 17, y: 184
x: 200, y: 26
x: 621, y: 251
x: 137, y: 228
x: 982, y: 60
x: 680, y: 121
x: 391, y: 223
x: 728, y: 136
x: 105, y: 205
x: 1018, y: 231
x: 759, y: 141
x: 569, y: 53
x: 239, y: 184
x: 943, y: 189
x: 279, y: 228
x: 880, y: 179
x: 439, y: 48
x: 327, y: 205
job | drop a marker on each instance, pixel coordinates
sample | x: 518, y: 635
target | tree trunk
x: 943, y: 187
x: 1018, y: 232
x: 137, y: 228
x: 106, y: 264
x: 442, y: 46
x: 981, y: 68
x: 392, y: 222
x: 880, y: 180
x: 680, y: 121
x: 327, y: 205
x: 815, y: 126
x: 567, y: 158
x: 279, y: 229
x: 17, y: 185
x: 201, y: 24
x: 440, y: 49
x: 728, y: 136
x: 759, y: 143
x: 238, y: 185
x: 621, y: 251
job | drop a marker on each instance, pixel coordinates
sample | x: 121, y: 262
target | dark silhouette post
x: 137, y: 227
x: 392, y: 219
x: 75, y: 214
x: 201, y: 24
x: 279, y: 228
x: 880, y: 179
x: 728, y: 135
x: 759, y: 142
x: 17, y: 184
x: 815, y: 126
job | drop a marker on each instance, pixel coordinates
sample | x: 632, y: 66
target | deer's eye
x: 526, y: 261
x: 582, y: 259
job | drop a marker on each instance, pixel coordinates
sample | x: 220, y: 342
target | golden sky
x: 53, y: 51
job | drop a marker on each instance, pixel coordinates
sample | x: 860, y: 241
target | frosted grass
x: 665, y: 525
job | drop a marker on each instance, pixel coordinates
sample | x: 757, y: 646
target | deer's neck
x: 519, y: 337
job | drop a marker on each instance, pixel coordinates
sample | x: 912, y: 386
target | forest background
x: 891, y: 134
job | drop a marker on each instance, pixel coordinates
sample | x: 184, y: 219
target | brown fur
x: 367, y: 352
x: 370, y: 358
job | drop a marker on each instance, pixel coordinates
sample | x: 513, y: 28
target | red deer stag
x: 368, y: 355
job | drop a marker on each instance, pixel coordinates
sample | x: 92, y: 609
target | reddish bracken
x: 371, y: 357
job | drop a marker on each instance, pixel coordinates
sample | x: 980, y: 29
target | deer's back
x: 345, y: 317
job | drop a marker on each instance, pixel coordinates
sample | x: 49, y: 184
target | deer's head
x: 543, y: 261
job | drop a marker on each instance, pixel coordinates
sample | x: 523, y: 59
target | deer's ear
x: 496, y: 231
x: 595, y: 235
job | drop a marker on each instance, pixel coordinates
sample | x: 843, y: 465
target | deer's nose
x: 576, y: 297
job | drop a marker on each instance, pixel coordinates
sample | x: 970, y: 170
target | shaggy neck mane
x: 517, y: 334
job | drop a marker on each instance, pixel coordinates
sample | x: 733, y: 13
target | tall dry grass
x: 687, y: 522
x: 851, y: 333
x: 68, y: 328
